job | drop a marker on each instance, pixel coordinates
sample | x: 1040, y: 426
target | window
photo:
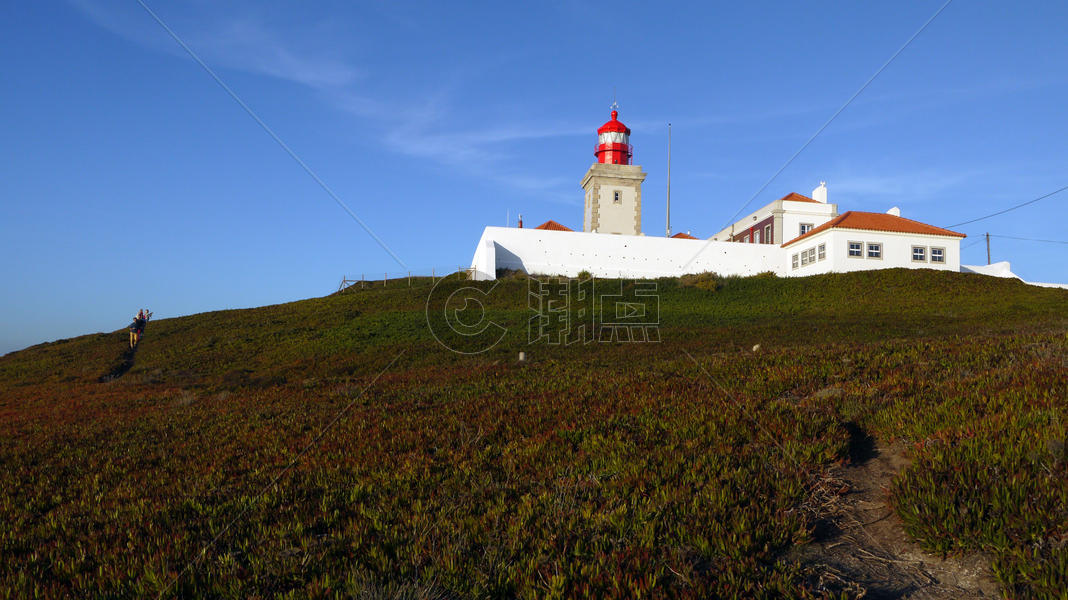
x: 617, y: 197
x: 856, y: 250
x: 767, y: 234
x: 805, y: 228
x: 756, y: 236
x: 808, y: 257
x: 938, y: 255
x: 823, y: 251
x: 919, y: 253
x: 875, y: 250
x: 794, y: 258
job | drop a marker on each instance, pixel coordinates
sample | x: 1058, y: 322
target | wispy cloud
x: 250, y: 46
x: 410, y: 126
x: 902, y: 187
x: 241, y: 43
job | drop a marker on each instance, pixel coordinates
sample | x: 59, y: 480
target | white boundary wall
x: 1004, y: 269
x: 567, y: 253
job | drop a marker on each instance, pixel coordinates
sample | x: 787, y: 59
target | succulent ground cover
x: 684, y: 469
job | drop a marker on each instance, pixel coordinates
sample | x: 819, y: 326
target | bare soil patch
x: 124, y: 364
x: 861, y: 548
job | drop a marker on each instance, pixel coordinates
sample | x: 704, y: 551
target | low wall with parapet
x: 567, y: 253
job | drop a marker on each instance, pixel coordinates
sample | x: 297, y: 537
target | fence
x: 413, y: 278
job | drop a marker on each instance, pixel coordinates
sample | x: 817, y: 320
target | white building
x: 782, y: 220
x: 793, y: 236
x: 862, y: 241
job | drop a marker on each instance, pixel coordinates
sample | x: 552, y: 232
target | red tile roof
x: 551, y: 225
x: 795, y: 197
x: 683, y: 236
x: 876, y: 222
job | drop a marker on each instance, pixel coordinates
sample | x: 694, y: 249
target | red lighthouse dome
x: 613, y: 143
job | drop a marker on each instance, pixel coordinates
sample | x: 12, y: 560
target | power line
x: 826, y: 124
x: 839, y: 111
x: 1010, y: 237
x: 271, y: 133
x: 1001, y: 212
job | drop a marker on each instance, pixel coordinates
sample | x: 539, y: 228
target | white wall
x: 826, y: 265
x: 567, y: 254
x: 896, y: 251
x: 1004, y: 269
x: 796, y: 213
x: 625, y: 256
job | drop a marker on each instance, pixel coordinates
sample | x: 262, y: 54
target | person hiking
x: 137, y: 328
x: 145, y: 316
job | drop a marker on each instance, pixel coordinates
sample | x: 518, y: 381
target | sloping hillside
x: 335, y: 447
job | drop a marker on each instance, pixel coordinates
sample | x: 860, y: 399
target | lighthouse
x: 613, y: 185
x: 613, y: 142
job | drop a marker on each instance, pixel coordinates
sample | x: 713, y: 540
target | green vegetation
x: 709, y: 282
x: 681, y: 469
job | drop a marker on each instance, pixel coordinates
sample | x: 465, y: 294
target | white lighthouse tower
x: 613, y: 186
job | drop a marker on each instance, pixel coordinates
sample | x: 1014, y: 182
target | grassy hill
x: 334, y: 447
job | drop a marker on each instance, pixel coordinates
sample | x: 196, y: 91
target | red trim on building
x: 610, y: 150
x: 748, y: 235
x: 614, y: 125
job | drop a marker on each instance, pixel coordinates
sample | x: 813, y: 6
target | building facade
x: 795, y: 235
x: 864, y: 241
x: 782, y: 220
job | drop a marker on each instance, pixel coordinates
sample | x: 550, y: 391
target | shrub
x: 707, y: 281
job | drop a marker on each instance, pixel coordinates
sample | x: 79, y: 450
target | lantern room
x: 613, y: 143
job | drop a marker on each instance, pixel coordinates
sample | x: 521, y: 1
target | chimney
x: 820, y: 194
x: 894, y: 211
x: 520, y: 220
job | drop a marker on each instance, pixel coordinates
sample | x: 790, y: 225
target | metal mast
x: 669, y: 183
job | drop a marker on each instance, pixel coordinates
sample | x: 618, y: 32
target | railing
x: 413, y: 278
x: 629, y: 148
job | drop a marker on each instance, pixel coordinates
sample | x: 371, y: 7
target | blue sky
x: 129, y: 178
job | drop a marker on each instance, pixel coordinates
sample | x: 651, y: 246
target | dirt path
x: 124, y: 364
x: 861, y: 548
